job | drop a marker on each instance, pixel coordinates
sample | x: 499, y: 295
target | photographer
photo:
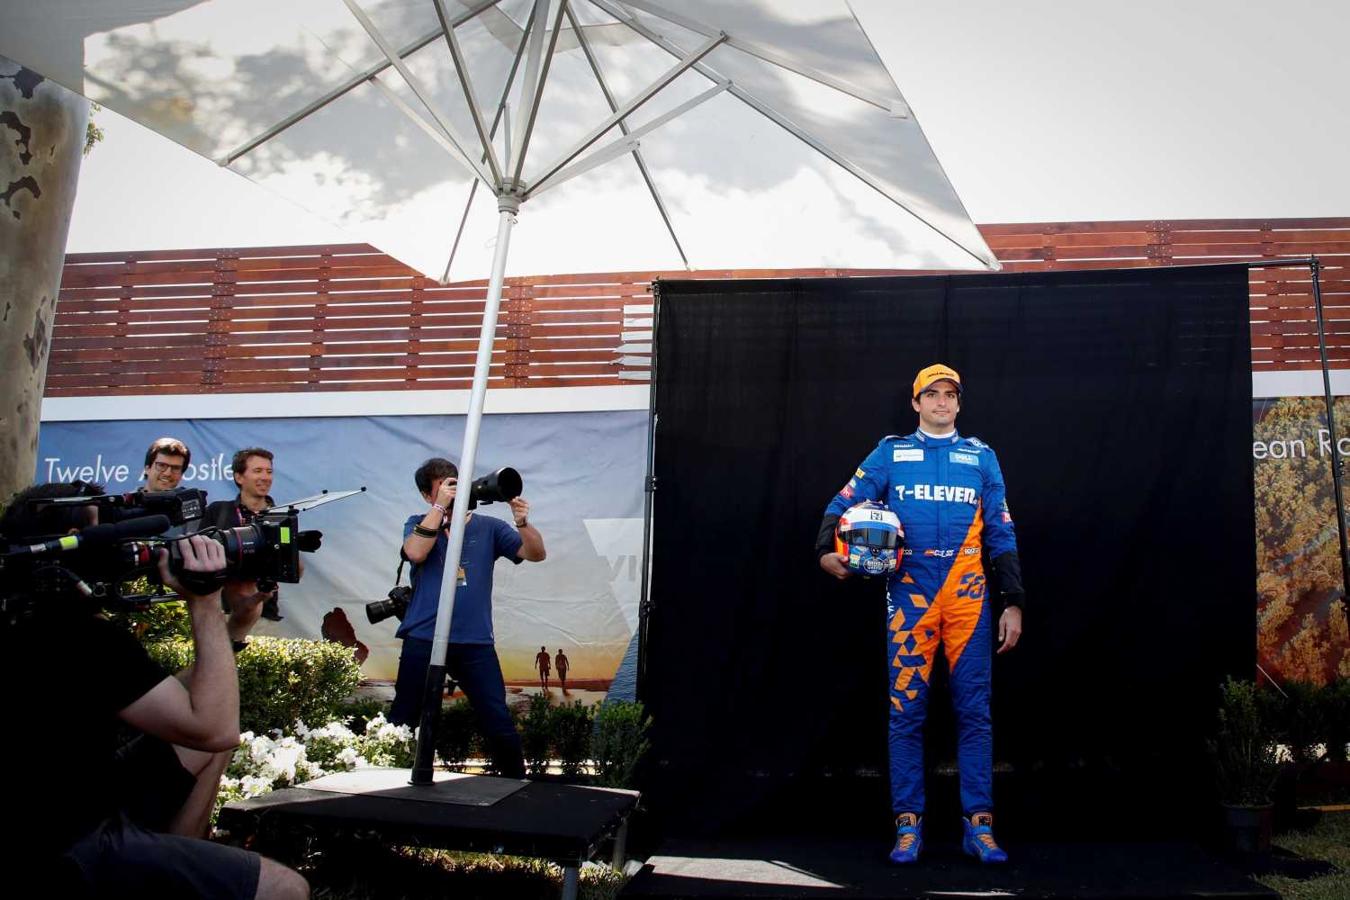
x: 252, y: 468
x: 93, y: 819
x: 471, y: 658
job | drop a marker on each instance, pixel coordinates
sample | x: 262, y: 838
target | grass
x: 1328, y: 840
x: 372, y: 871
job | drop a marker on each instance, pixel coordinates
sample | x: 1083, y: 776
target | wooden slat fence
x: 347, y: 317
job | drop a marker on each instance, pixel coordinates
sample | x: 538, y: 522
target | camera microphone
x: 97, y: 535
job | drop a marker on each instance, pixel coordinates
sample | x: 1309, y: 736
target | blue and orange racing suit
x: 949, y: 495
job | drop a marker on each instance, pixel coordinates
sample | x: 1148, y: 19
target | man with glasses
x: 165, y: 461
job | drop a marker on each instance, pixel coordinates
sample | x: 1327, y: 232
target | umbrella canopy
x: 761, y: 133
x: 757, y: 133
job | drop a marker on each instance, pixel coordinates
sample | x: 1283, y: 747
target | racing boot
x: 908, y: 839
x: 979, y: 838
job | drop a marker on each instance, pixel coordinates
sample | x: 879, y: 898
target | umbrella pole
x: 423, y: 761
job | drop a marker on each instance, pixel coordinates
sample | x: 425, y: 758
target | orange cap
x: 937, y: 372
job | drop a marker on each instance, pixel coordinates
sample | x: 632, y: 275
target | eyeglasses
x: 166, y: 467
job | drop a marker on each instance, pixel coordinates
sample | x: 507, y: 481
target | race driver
x: 948, y: 492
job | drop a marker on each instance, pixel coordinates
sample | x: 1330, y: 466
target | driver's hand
x: 836, y: 564
x: 1009, y: 628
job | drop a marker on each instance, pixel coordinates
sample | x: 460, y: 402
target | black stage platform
x: 848, y: 868
x: 559, y: 822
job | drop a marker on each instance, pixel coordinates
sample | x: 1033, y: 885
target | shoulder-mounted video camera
x: 105, y: 562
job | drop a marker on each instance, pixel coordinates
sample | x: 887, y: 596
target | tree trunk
x: 43, y: 127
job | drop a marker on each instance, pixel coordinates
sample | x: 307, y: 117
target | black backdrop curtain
x: 1119, y: 403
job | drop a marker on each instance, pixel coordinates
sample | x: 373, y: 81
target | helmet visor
x: 873, y: 536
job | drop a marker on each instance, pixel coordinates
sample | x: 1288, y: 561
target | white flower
x: 260, y: 748
x: 388, y: 732
x: 284, y: 759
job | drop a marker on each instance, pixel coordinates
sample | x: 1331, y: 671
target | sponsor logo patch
x: 847, y: 492
x: 901, y: 454
x: 860, y: 474
x: 965, y: 459
x: 945, y: 493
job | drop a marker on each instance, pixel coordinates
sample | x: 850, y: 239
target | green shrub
x: 172, y: 655
x: 1244, y: 747
x: 619, y: 742
x: 357, y: 711
x: 572, y: 736
x: 536, y: 733
x: 158, y: 621
x: 1298, y: 720
x: 456, y: 734
x: 281, y: 680
x: 1335, y: 702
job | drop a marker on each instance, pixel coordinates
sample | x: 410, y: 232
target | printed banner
x: 1302, y: 629
x: 583, y: 475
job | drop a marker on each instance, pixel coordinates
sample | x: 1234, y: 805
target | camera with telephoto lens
x: 105, y: 563
x: 504, y: 484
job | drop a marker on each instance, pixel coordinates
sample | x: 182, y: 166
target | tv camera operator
x: 471, y: 657
x: 83, y: 815
x: 252, y: 470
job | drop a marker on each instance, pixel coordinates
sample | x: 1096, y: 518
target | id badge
x: 461, y: 581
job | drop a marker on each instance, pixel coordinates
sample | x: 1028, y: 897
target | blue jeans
x: 479, y: 675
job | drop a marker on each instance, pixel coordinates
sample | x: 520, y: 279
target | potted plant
x: 1244, y: 753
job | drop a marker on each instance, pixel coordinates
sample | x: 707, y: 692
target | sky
x: 1038, y: 111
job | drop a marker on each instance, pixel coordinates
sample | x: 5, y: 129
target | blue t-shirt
x: 485, y: 540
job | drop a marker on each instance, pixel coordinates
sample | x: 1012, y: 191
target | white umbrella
x: 642, y: 133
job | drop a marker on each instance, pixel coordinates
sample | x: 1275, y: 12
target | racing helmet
x: 870, y: 537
